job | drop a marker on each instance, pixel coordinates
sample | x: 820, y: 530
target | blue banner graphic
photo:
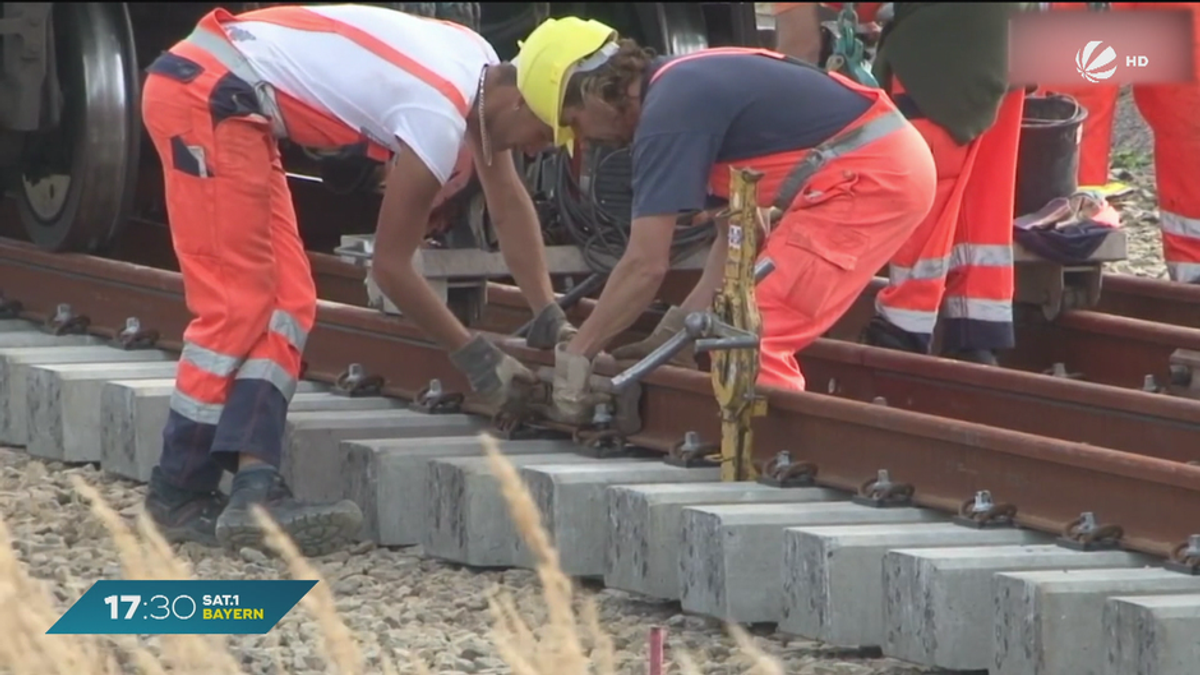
x: 128, y: 607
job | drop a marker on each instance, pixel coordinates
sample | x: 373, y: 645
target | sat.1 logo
x: 1097, y: 66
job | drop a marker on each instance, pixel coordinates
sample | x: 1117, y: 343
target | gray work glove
x: 549, y: 328
x: 672, y: 323
x: 499, y: 379
x: 573, y: 402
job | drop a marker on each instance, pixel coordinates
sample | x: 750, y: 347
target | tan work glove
x: 672, y: 323
x: 573, y: 401
x: 549, y: 328
x: 501, y: 381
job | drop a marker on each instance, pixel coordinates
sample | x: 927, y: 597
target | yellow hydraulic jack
x: 730, y: 331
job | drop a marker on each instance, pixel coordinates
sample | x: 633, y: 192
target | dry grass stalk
x: 338, y: 644
x: 25, y: 649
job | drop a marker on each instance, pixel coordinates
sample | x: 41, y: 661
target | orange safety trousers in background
x: 842, y: 226
x: 1170, y: 111
x: 960, y: 259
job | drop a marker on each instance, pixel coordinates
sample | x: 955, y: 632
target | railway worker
x: 396, y: 87
x: 689, y: 118
x: 1170, y: 110
x: 946, y: 66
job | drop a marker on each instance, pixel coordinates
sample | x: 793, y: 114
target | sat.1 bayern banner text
x: 127, y: 607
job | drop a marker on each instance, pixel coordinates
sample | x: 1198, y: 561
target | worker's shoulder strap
x: 725, y: 51
x: 303, y: 18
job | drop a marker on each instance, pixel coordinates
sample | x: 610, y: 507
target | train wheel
x: 77, y: 180
x: 673, y: 28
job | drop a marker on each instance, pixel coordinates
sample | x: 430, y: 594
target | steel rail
x: 1150, y: 300
x: 1152, y: 425
x: 1117, y: 418
x: 1050, y: 481
x: 1092, y: 346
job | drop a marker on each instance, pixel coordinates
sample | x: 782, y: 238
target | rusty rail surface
x: 1092, y: 346
x: 1140, y: 322
x: 1049, y: 481
x: 1120, y: 351
x: 1150, y: 300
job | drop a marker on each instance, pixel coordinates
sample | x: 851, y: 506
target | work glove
x: 573, y: 401
x: 672, y: 323
x: 549, y: 328
x: 499, y: 379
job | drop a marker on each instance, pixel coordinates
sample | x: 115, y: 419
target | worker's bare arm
x: 631, y: 286
x: 511, y: 210
x: 403, y: 218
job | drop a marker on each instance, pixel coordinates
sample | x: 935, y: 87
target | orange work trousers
x: 246, y: 277
x: 1170, y: 110
x: 847, y: 221
x: 960, y: 258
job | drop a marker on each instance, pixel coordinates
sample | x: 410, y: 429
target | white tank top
x: 368, y: 93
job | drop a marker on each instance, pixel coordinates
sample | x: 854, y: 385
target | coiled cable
x: 599, y: 224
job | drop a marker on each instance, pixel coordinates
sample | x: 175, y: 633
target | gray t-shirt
x: 723, y: 108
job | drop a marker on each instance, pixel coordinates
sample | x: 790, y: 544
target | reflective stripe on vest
x: 211, y: 36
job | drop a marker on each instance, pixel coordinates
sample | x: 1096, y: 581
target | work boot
x: 183, y: 515
x: 984, y: 357
x: 882, y: 333
x: 317, y: 529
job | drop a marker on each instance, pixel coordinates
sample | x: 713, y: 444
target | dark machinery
x: 71, y: 139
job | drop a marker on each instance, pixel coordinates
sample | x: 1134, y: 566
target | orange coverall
x: 960, y: 258
x: 842, y: 225
x: 1170, y: 110
x: 246, y: 276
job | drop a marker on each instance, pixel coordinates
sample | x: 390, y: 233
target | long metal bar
x: 1050, y: 481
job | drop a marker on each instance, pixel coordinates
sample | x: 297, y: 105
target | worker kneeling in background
x: 689, y: 119
x: 946, y: 66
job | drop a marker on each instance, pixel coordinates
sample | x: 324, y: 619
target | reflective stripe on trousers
x: 234, y: 367
x: 961, y: 257
x: 966, y: 256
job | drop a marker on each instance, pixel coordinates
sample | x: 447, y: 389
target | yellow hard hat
x: 548, y: 58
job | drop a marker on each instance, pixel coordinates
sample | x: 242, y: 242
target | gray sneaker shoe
x: 317, y: 529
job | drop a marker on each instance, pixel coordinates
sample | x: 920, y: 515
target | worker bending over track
x: 368, y: 80
x: 852, y: 176
x: 1170, y: 110
x: 946, y: 66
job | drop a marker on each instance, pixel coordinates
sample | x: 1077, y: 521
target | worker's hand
x: 499, y: 379
x: 573, y: 402
x: 672, y: 323
x: 549, y: 328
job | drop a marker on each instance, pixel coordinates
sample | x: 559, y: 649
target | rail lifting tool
x: 730, y: 330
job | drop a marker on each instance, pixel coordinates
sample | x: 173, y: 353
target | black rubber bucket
x: 1048, y: 159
